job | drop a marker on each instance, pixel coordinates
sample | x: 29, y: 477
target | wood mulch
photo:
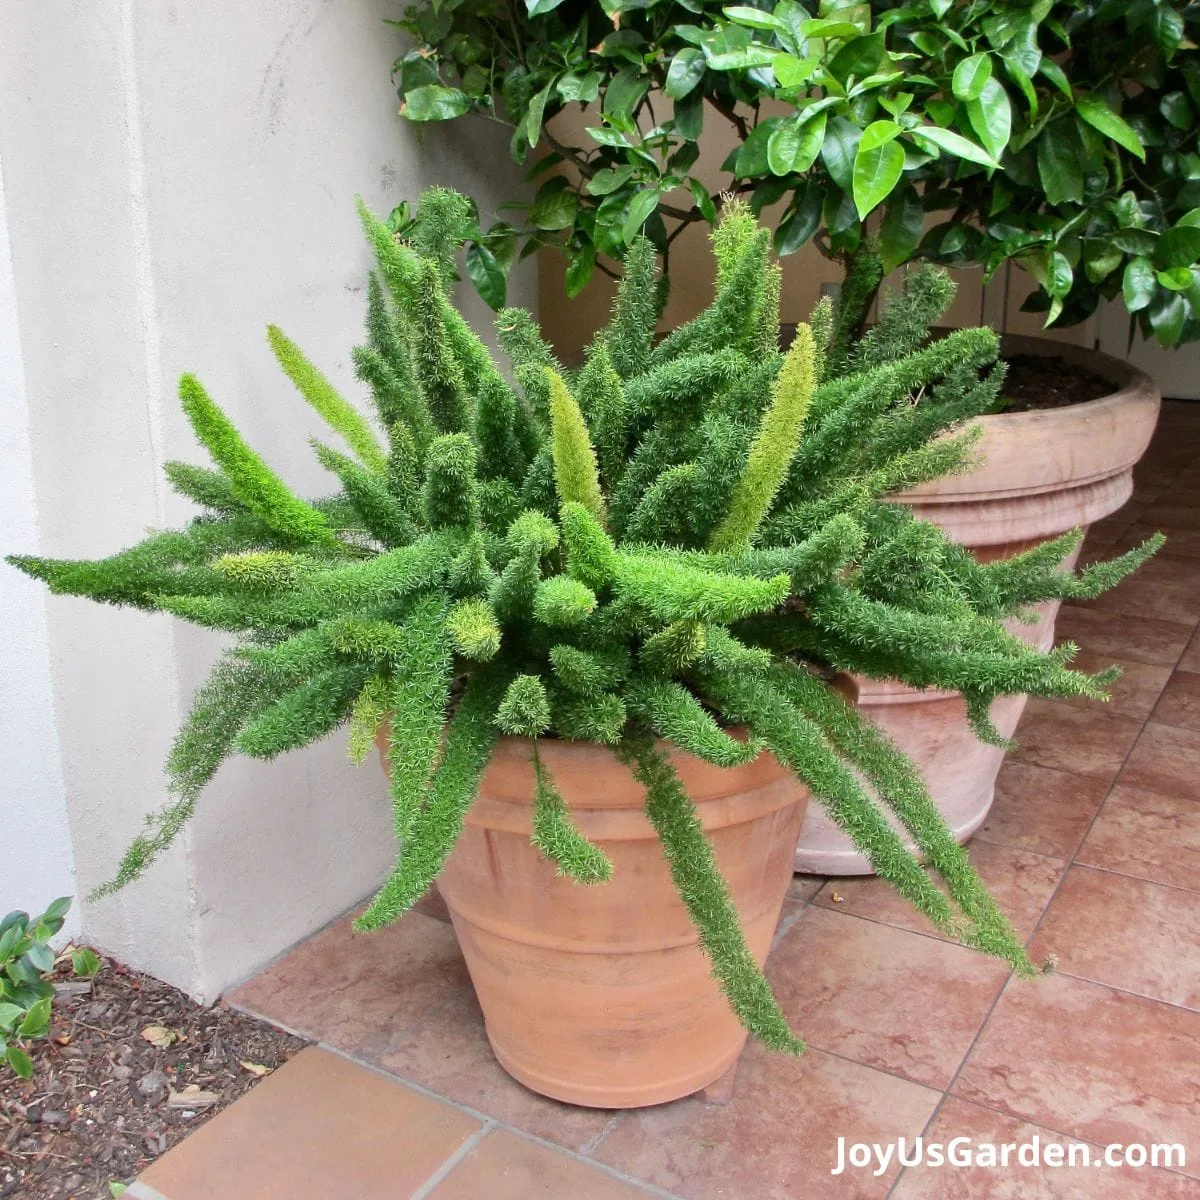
x: 130, y: 1066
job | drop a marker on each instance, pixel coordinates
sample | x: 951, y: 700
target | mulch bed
x: 105, y: 1101
x: 1035, y: 381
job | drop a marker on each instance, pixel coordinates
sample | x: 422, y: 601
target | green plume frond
x: 906, y: 318
x: 591, y: 554
x: 561, y: 601
x: 372, y: 706
x: 382, y: 514
x: 820, y: 321
x: 674, y: 713
x: 421, y: 672
x: 209, y: 489
x: 674, y: 648
x: 474, y: 629
x: 635, y: 311
x: 337, y: 413
x: 263, y: 570
x: 576, y: 475
x: 396, y: 397
x: 600, y: 718
x: 730, y: 319
x: 863, y: 274
x: 470, y: 737
x: 774, y: 446
x: 588, y: 672
x: 449, y: 498
x: 666, y: 511
x: 254, y: 484
x: 438, y: 372
x: 306, y: 713
x: 605, y: 408
x: 524, y: 710
x: 706, y: 895
x: 671, y: 592
x: 501, y: 455
x: 470, y: 573
x: 558, y: 839
x: 444, y: 219
x: 894, y: 779
x: 234, y: 692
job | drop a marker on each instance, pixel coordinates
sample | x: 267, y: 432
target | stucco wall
x: 179, y: 175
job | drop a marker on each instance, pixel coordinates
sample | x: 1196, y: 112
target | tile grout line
x: 496, y: 1123
x: 464, y: 1148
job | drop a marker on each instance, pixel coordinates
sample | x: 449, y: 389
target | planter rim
x: 1076, y: 444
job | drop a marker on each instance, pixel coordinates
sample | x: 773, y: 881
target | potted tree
x: 587, y: 657
x: 1058, y: 136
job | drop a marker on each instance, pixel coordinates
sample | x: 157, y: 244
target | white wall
x: 36, y: 863
x: 178, y: 176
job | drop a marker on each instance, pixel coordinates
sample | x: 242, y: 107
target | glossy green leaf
x: 1177, y: 110
x: 800, y: 222
x: 1099, y: 116
x: 991, y: 117
x: 644, y: 202
x: 970, y: 76
x: 753, y: 18
x: 1058, y: 163
x: 486, y: 273
x: 877, y: 170
x: 10, y: 1014
x: 36, y: 1021
x: 624, y: 92
x: 535, y: 8
x: 954, y: 143
x: 1138, y: 285
x: 1178, y: 247
x: 609, y: 179
x: 839, y: 149
x: 1177, y: 279
x: 20, y: 1062
x: 901, y: 229
x: 84, y: 962
x: 794, y: 146
x: 750, y: 160
x: 791, y: 71
x: 686, y: 70
x: 858, y: 58
x: 579, y: 269
x: 434, y: 103
x: 1167, y: 312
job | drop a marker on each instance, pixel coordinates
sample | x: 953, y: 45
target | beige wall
x: 177, y: 175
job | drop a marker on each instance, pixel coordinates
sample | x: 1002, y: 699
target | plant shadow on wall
x: 674, y: 541
x: 1059, y: 135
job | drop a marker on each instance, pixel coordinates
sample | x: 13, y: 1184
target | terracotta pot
x: 1043, y: 472
x: 601, y: 995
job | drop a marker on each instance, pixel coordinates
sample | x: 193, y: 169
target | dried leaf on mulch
x: 106, y: 1098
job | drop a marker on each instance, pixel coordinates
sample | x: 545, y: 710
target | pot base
x: 660, y: 1091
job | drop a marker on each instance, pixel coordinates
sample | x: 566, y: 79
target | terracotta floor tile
x: 317, y: 1127
x: 1082, y: 741
x: 1167, y: 515
x: 1143, y: 596
x: 805, y: 887
x: 1089, y: 1061
x: 883, y: 996
x: 1134, y: 694
x: 1190, y: 660
x: 449, y: 1054
x: 1165, y: 760
x: 777, y: 1138
x: 1181, y: 543
x: 1042, y: 810
x: 1021, y: 882
x: 1128, y: 933
x: 1159, y: 643
x: 506, y: 1167
x: 1179, y: 703
x: 359, y: 992
x: 1144, y: 834
x: 958, y: 1118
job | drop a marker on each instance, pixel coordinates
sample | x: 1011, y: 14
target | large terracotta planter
x: 601, y: 995
x: 1043, y: 473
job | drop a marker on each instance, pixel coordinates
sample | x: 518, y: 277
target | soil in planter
x: 1035, y: 381
x: 105, y: 1100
